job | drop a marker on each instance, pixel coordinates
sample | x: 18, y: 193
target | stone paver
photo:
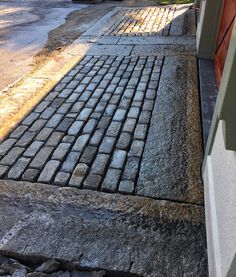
x: 100, y: 114
x: 94, y: 230
x: 95, y: 123
x: 143, y: 21
x: 172, y: 157
x: 148, y: 21
x: 118, y: 140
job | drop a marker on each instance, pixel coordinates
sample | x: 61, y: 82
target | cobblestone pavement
x: 143, y: 22
x: 90, y: 130
x: 124, y: 120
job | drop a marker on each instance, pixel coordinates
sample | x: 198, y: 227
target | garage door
x: 224, y: 35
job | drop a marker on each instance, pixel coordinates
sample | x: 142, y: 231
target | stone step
x: 94, y: 230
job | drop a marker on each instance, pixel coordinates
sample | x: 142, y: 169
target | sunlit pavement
x: 24, y: 30
x: 110, y: 158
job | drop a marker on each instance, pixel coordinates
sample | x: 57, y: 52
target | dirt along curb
x: 60, y: 54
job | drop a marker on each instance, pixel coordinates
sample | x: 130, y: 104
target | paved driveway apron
x: 124, y: 120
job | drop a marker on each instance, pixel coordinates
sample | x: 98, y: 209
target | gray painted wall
x: 219, y: 170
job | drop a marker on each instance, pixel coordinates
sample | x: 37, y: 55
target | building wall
x: 219, y: 176
x: 208, y: 25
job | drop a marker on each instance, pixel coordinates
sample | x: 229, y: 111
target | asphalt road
x: 32, y: 30
x: 24, y: 29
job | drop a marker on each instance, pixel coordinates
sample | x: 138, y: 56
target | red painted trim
x: 224, y: 36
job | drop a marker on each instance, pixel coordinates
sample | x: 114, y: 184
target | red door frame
x: 224, y: 36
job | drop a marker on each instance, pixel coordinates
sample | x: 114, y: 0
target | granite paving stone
x: 115, y: 99
x: 96, y: 115
x: 120, y: 136
x: 61, y: 150
x: 88, y: 155
x: 33, y: 149
x: 30, y: 118
x: 54, y: 139
x: 57, y: 103
x: 144, y: 117
x: 51, y: 96
x: 92, y: 181
x: 26, y: 139
x: 85, y: 96
x: 71, y: 115
x: 90, y: 126
x: 59, y: 87
x: 41, y: 157
x: 49, y: 171
x: 130, y: 124
x: 140, y: 131
x: 70, y: 162
x: 68, y: 139
x: 134, y: 112
x: 111, y: 181
x: 151, y: 21
x: 54, y: 120
x: 75, y: 128
x: 148, y: 105
x: 104, y: 122
x: 168, y: 170
x: 77, y: 107
x: 19, y: 131
x: 44, y: 134
x: 3, y: 170
x: 118, y: 159
x: 6, y: 145
x: 101, y: 107
x: 37, y: 125
x: 65, y: 124
x: 19, y: 167
x: 31, y: 175
x: 126, y: 187
x: 114, y: 129
x: 81, y: 143
x: 12, y: 156
x: 139, y: 95
x: 64, y: 108
x: 78, y: 175
x: 136, y: 149
x: 47, y: 113
x: 80, y: 225
x: 42, y: 106
x: 119, y: 115
x: 124, y: 141
x: 100, y: 164
x: 131, y: 168
x: 97, y: 137
x: 92, y: 102
x: 124, y: 103
x: 107, y: 145
x: 100, y: 118
x: 61, y: 178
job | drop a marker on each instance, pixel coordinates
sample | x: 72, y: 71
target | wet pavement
x: 119, y: 141
x: 24, y: 30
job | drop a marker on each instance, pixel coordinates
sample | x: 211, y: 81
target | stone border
x: 39, y: 222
